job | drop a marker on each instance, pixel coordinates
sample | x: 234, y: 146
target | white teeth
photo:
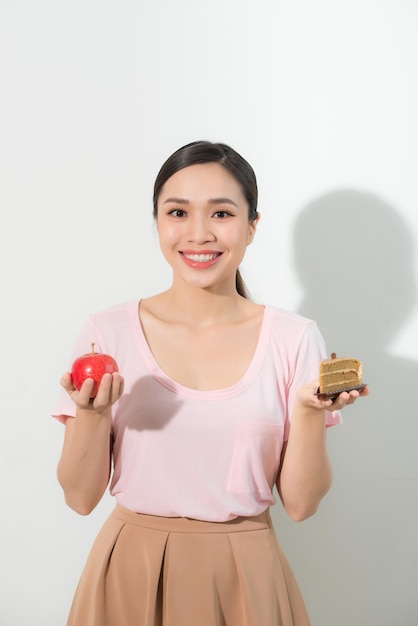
x: 201, y: 258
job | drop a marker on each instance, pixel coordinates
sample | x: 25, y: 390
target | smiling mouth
x: 201, y: 258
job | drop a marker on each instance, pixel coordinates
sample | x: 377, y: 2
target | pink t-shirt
x: 209, y: 455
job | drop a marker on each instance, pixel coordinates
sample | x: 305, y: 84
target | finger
x: 66, y: 381
x: 326, y: 403
x: 340, y: 401
x: 84, y: 394
x: 117, y: 387
x: 353, y: 396
x: 122, y: 387
x: 102, y: 398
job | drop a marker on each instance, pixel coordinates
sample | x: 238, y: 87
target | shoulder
x: 112, y: 328
x: 296, y: 344
x: 114, y: 312
x: 114, y: 318
x: 292, y: 332
x: 288, y: 320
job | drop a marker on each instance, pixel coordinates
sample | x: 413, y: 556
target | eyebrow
x: 210, y: 201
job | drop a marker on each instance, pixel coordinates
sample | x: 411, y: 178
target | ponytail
x: 241, y: 286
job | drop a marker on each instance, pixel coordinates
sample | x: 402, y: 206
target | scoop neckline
x: 169, y: 383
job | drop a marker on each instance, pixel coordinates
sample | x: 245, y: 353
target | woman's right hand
x: 85, y: 464
x: 109, y: 391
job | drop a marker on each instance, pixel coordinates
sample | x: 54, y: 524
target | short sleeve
x: 64, y: 407
x: 310, y: 352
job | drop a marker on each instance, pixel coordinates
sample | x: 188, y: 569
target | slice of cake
x: 336, y: 375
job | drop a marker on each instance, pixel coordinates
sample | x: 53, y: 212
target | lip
x: 199, y: 262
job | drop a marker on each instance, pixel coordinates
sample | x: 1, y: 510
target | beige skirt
x: 145, y: 570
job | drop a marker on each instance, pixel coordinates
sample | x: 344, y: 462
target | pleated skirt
x: 145, y: 570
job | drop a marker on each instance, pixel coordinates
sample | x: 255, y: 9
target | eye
x: 177, y: 213
x: 222, y: 214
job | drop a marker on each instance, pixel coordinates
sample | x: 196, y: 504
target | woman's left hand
x: 307, y: 396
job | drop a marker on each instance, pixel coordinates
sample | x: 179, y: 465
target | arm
x: 85, y: 463
x: 305, y: 473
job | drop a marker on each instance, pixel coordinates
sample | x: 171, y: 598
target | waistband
x: 188, y: 525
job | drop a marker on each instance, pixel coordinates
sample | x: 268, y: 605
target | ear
x: 252, y: 229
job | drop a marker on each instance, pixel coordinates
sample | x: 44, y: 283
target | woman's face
x: 203, y: 225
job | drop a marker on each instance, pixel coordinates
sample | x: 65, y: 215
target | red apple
x: 92, y: 365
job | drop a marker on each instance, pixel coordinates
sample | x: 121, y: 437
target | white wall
x: 321, y: 97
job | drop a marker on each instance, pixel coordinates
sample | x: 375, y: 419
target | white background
x: 322, y: 99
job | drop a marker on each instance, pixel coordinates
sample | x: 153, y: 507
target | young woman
x: 214, y: 406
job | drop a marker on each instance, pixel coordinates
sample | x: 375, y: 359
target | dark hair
x: 207, y: 152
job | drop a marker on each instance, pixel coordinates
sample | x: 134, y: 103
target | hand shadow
x: 354, y: 257
x: 148, y: 406
x: 139, y: 450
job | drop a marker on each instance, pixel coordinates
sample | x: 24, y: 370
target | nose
x: 200, y: 230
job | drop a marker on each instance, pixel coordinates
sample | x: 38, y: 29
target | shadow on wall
x: 354, y: 257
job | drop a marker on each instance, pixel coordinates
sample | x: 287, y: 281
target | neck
x: 202, y: 307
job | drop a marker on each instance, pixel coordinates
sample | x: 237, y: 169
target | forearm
x: 305, y: 475
x: 84, y: 466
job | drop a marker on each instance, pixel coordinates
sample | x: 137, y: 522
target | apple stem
x: 92, y: 348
